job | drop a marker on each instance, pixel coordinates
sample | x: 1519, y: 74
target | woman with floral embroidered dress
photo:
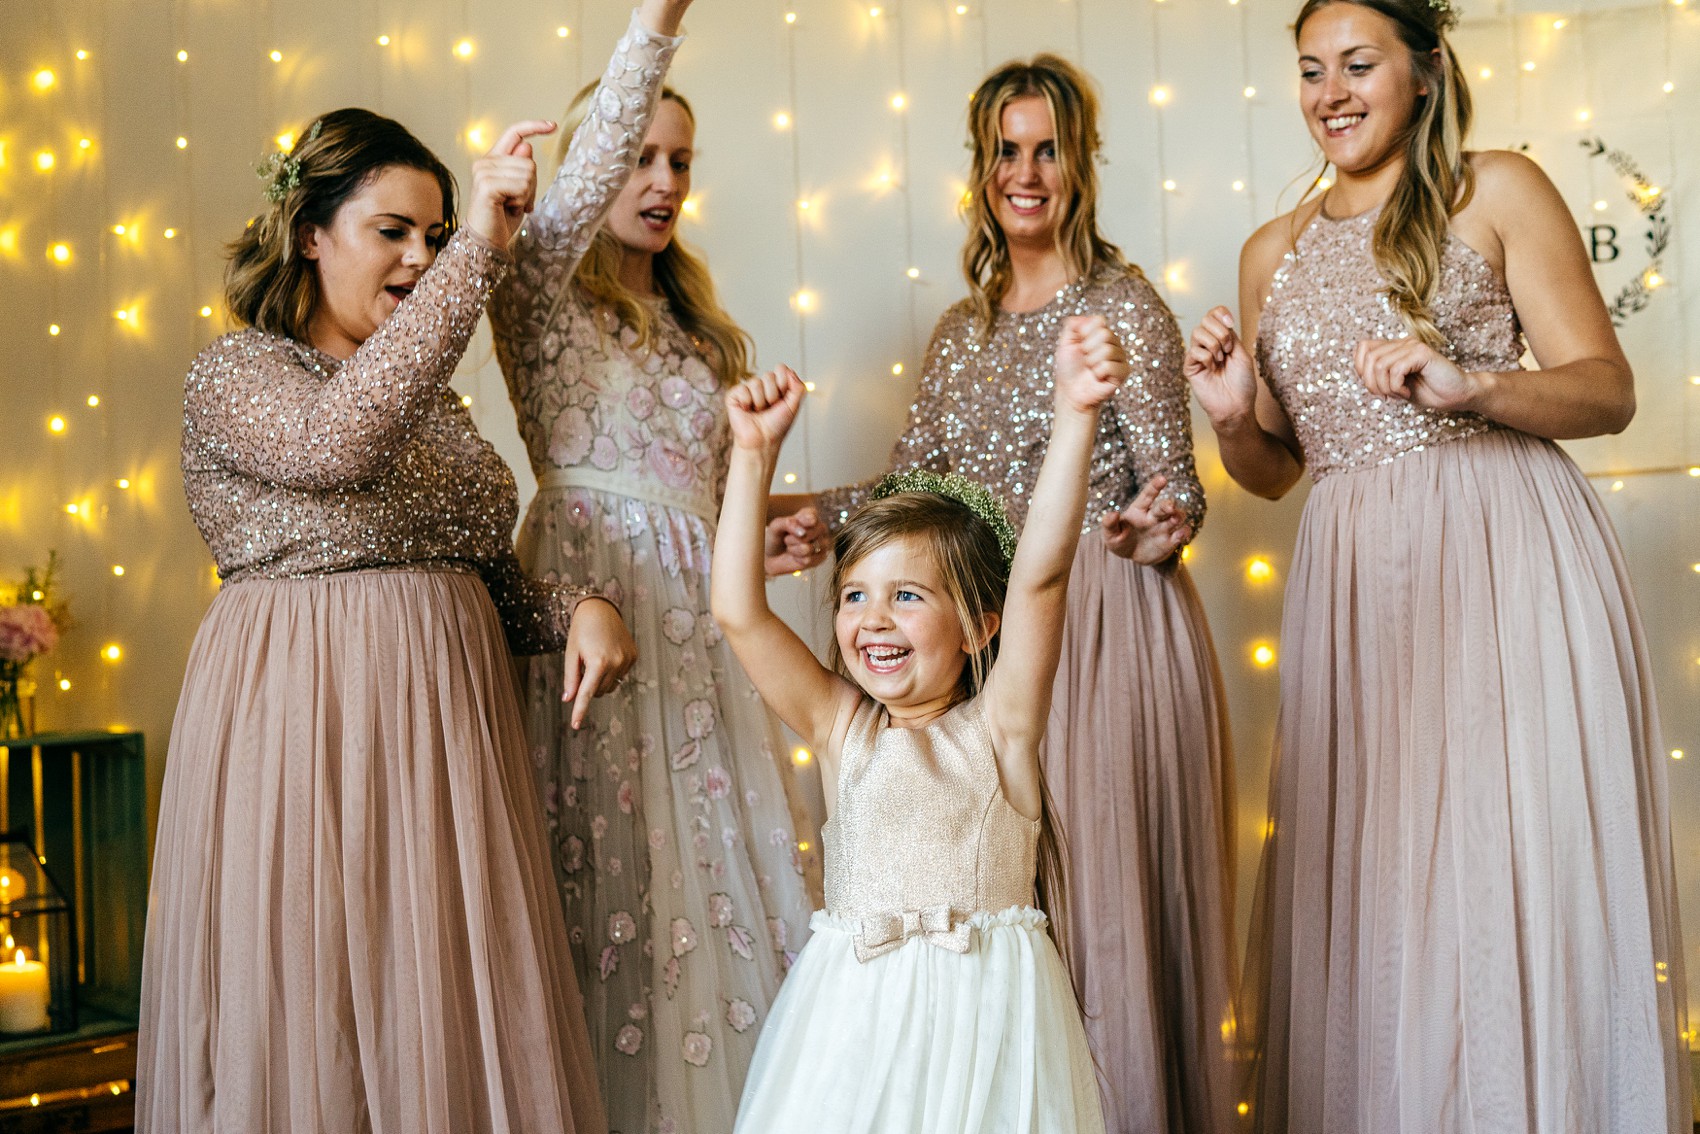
x: 674, y: 845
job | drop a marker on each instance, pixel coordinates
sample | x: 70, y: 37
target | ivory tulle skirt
x: 352, y: 924
x: 1141, y: 770
x: 922, y: 1040
x: 1466, y: 920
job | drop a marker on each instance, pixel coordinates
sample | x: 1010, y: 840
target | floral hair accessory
x: 1446, y: 13
x: 972, y: 495
x: 281, y: 171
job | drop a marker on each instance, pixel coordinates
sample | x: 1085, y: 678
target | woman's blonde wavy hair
x: 966, y: 553
x: 1074, y: 115
x: 267, y: 283
x: 681, y: 275
x: 1437, y: 181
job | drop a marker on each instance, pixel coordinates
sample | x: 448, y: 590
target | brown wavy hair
x: 680, y: 274
x: 267, y: 283
x: 965, y: 551
x: 1437, y: 181
x: 1074, y: 115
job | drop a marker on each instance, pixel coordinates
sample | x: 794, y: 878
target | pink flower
x: 719, y: 782
x: 625, y: 797
x: 699, y: 719
x: 621, y: 928
x: 697, y: 1048
x: 569, y: 440
x: 702, y: 423
x: 720, y: 910
x: 640, y: 402
x: 740, y: 1014
x: 628, y: 1040
x: 25, y: 632
x: 678, y: 624
x: 676, y: 392
x: 684, y: 936
x: 604, y: 454
x: 671, y: 464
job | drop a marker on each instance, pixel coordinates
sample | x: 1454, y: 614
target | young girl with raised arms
x: 930, y: 997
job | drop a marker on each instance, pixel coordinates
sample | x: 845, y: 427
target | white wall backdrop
x: 831, y: 137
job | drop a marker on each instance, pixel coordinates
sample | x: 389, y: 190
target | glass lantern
x: 38, y: 979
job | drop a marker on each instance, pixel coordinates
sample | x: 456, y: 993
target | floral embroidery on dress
x: 740, y: 1015
x: 697, y: 1048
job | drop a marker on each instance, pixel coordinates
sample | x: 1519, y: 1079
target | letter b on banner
x: 1602, y: 243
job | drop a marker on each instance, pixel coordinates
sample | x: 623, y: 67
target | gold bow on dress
x: 937, y: 925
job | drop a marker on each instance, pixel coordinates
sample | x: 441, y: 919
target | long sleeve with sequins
x: 984, y: 405
x: 298, y: 464
x: 598, y: 164
x: 1153, y: 409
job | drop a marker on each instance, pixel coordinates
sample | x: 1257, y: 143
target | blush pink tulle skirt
x: 352, y: 925
x: 1466, y: 922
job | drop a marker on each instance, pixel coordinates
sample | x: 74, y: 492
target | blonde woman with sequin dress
x: 1466, y: 916
x: 351, y: 924
x: 1146, y: 792
x: 674, y: 847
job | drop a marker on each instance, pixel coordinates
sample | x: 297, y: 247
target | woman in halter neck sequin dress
x: 351, y: 924
x: 675, y: 850
x: 1146, y: 792
x: 1466, y: 917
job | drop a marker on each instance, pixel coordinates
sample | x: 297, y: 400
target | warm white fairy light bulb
x: 1161, y: 95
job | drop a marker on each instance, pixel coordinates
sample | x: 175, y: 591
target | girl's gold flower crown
x: 973, y: 495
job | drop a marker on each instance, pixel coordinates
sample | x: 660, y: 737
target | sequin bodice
x: 1327, y: 297
x: 984, y: 406
x: 297, y: 464
x: 922, y: 822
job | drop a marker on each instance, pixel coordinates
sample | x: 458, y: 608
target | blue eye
x: 851, y: 596
x: 908, y: 596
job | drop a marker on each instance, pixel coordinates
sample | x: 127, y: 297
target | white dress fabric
x: 930, y: 999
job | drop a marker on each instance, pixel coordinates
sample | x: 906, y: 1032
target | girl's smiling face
x: 1357, y: 87
x: 899, y: 631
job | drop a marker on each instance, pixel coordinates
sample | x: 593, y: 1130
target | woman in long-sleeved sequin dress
x: 674, y: 847
x: 351, y: 924
x: 1136, y: 751
x: 1466, y: 917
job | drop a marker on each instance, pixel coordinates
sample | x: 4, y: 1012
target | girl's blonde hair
x: 1437, y: 181
x: 680, y: 274
x: 267, y: 283
x: 1074, y: 115
x: 965, y: 551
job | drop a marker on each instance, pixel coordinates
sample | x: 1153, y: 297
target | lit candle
x: 23, y: 995
x: 11, y: 886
